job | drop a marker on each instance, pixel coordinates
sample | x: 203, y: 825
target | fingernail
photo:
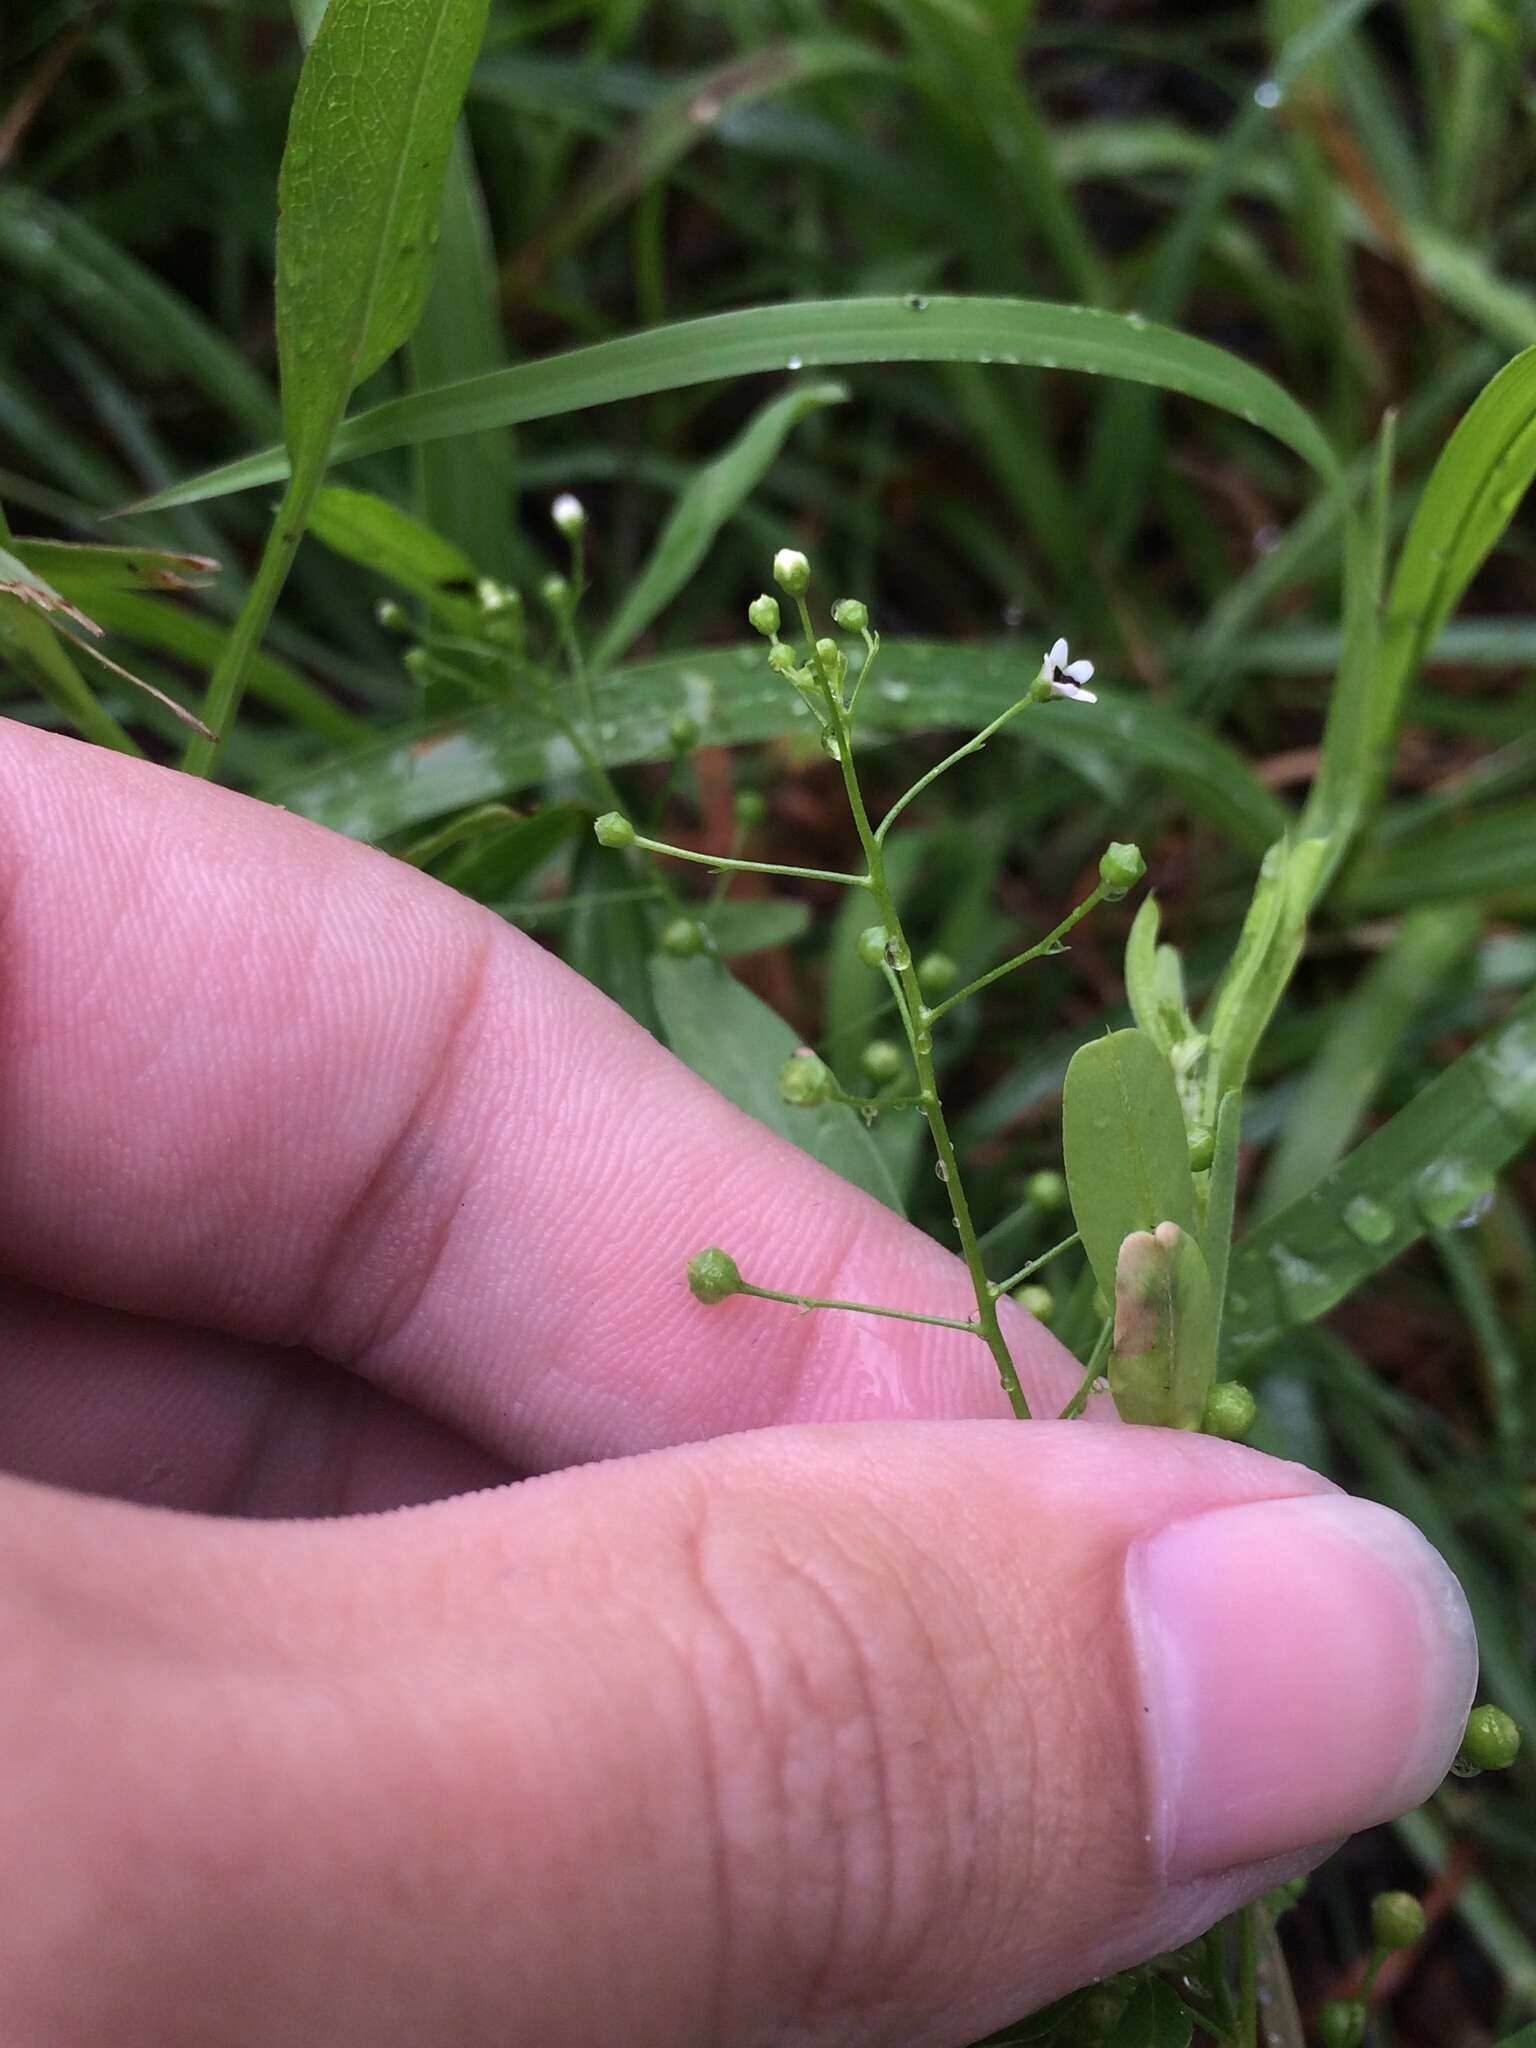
x: 1306, y: 1666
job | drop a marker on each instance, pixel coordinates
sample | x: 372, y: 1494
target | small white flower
x: 569, y: 514
x: 1065, y: 677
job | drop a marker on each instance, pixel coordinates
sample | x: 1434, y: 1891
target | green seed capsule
x: 751, y: 807
x: 713, y: 1275
x: 883, y: 1060
x: 1341, y: 2023
x: 1491, y: 1743
x: 614, y: 829
x: 1397, y: 1920
x: 393, y: 617
x: 873, y: 941
x: 1120, y: 869
x: 1046, y: 1190
x: 682, y: 939
x: 1202, y: 1147
x: 805, y: 1081
x: 1230, y: 1411
x: 555, y: 590
x: 763, y: 615
x: 683, y: 735
x: 1036, y: 1301
x: 936, y: 974
x: 850, y: 614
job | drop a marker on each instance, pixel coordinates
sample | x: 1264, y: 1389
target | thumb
x: 831, y: 1735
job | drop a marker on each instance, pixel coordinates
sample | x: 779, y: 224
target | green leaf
x: 1126, y: 1153
x: 710, y: 499
x: 918, y: 686
x: 1163, y: 1357
x: 814, y: 334
x: 1154, y: 982
x: 1525, y: 2038
x: 360, y: 197
x: 1221, y: 1202
x: 607, y: 933
x: 1459, y: 1130
x: 1491, y: 853
x: 1268, y: 947
x: 1153, y: 2019
x: 80, y: 568
x: 738, y: 1045
x: 32, y: 647
x: 750, y: 926
x: 379, y: 536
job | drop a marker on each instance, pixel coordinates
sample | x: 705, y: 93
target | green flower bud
x: 1491, y: 1743
x: 713, y: 1275
x: 936, y: 974
x: 683, y: 735
x: 834, y: 663
x: 873, y: 941
x: 1036, y: 1301
x: 496, y: 597
x: 805, y: 1081
x: 1397, y: 1920
x: 763, y: 615
x: 781, y: 659
x: 555, y: 590
x: 1281, y: 1898
x: 1341, y: 2023
x: 851, y: 614
x: 1202, y: 1147
x: 791, y: 571
x: 1230, y: 1411
x: 751, y: 807
x: 417, y: 662
x: 569, y: 515
x: 1046, y: 1190
x: 883, y: 1060
x: 682, y: 939
x: 1120, y: 869
x: 393, y: 617
x: 614, y: 829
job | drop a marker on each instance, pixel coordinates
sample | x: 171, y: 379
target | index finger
x: 264, y: 1079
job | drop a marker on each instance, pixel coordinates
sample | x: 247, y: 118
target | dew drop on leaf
x: 1369, y: 1220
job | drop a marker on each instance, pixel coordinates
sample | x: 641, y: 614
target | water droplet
x: 1137, y: 320
x: 916, y: 303
x: 941, y: 1169
x: 1266, y: 540
x: 1453, y: 1193
x: 1267, y: 93
x: 1369, y: 1220
x: 1508, y: 1070
x: 831, y: 746
x: 795, y: 363
x: 1306, y: 1290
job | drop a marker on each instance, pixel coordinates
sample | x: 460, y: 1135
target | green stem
x: 972, y: 746
x: 748, y: 867
x: 1091, y: 1371
x: 1007, y: 1286
x: 1247, y: 1979
x: 920, y: 1038
x: 227, y: 683
x: 861, y: 1308
x: 1047, y: 945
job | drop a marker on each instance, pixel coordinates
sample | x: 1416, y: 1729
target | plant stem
x: 1007, y: 1286
x: 748, y: 867
x: 1046, y: 945
x: 916, y: 1019
x: 1091, y: 1370
x: 1247, y: 1979
x: 972, y: 746
x: 227, y: 683
x: 862, y: 1308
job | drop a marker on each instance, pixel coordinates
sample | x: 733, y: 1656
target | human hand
x: 322, y: 1190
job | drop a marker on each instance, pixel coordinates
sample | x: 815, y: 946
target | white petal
x: 1080, y: 671
x: 1057, y: 657
x: 1071, y: 690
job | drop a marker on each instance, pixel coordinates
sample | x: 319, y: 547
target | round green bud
x: 393, y: 617
x: 763, y: 615
x: 1036, y: 1301
x: 614, y: 829
x: 683, y: 735
x: 1100, y: 2012
x: 1280, y: 1898
x: 936, y: 974
x: 873, y: 941
x: 883, y: 1060
x: 1230, y: 1411
x: 555, y: 590
x: 1397, y: 1920
x: 1491, y: 1743
x: 569, y: 515
x: 1120, y: 869
x: 791, y: 571
x: 851, y: 614
x: 713, y: 1275
x: 496, y: 597
x: 1046, y: 1190
x: 805, y: 1081
x: 417, y: 662
x: 751, y: 807
x: 781, y: 659
x: 1202, y: 1147
x: 682, y: 939
x: 1341, y: 2023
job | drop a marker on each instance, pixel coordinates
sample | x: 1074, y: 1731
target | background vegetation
x: 1341, y: 195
